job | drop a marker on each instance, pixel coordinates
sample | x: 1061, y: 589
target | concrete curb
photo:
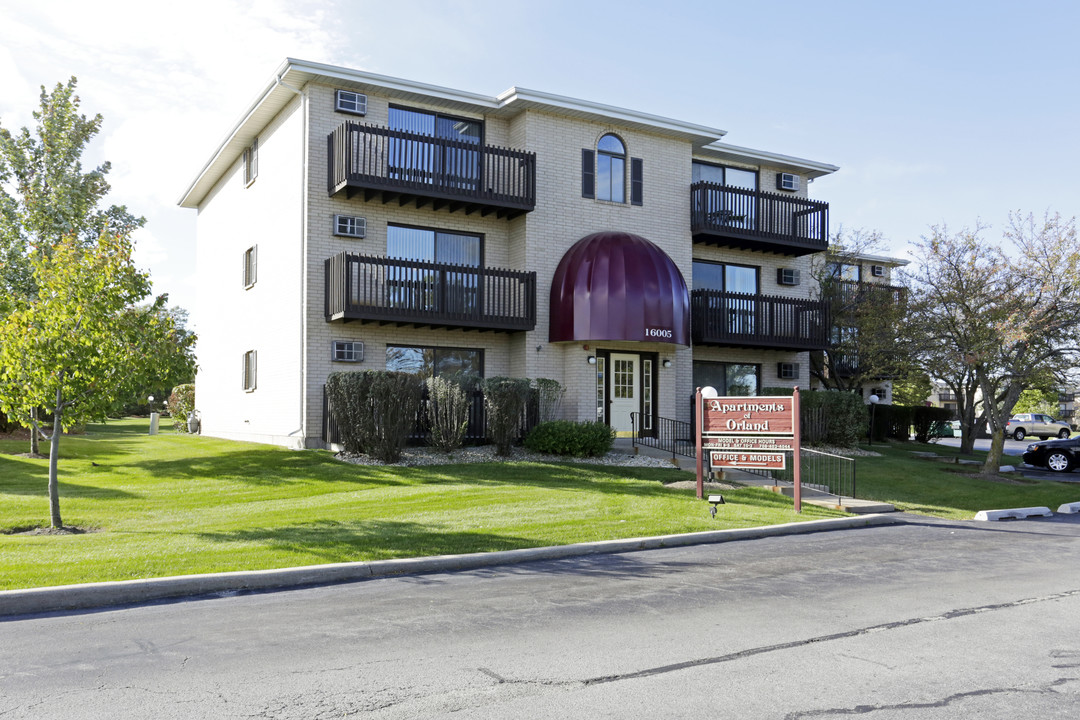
x: 107, y: 594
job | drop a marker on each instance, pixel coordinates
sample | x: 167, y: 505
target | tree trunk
x: 34, y: 448
x: 997, y: 449
x: 54, y: 458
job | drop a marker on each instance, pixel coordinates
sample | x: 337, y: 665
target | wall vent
x: 788, y: 276
x: 787, y: 371
x: 350, y: 102
x: 787, y: 181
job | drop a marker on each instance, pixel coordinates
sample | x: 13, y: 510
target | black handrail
x: 674, y: 436
x: 720, y: 317
x: 727, y: 209
x: 381, y: 288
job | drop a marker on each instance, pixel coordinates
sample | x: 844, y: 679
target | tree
x: 995, y: 321
x: 176, y: 364
x: 79, y: 340
x: 865, y: 343
x: 46, y: 198
x: 1038, y: 400
x: 911, y: 388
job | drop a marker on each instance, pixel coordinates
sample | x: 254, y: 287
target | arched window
x: 611, y: 169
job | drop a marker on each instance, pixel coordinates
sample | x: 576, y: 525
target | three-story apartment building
x: 354, y: 221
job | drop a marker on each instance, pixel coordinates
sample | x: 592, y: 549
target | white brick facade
x: 287, y: 213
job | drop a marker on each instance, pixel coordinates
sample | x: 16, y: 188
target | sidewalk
x: 810, y: 495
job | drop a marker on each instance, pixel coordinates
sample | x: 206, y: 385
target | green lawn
x: 176, y: 504
x: 931, y: 487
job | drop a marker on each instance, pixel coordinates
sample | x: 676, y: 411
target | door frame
x: 642, y: 357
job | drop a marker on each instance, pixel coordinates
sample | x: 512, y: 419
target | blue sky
x: 936, y: 112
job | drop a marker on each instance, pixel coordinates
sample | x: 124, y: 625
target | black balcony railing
x: 426, y: 293
x: 755, y: 220
x: 849, y: 292
x: 765, y: 321
x: 407, y: 167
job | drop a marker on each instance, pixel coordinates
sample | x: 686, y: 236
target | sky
x: 938, y: 113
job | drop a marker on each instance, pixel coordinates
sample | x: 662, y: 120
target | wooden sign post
x: 750, y: 433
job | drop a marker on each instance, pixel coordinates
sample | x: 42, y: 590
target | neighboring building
x: 855, y: 279
x: 385, y: 223
x: 1067, y: 405
x: 943, y: 397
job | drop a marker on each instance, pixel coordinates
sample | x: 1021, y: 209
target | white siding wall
x: 267, y: 317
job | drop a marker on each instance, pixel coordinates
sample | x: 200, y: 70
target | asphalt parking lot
x: 1016, y: 448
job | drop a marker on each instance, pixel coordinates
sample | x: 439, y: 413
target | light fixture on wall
x: 667, y: 363
x: 592, y: 359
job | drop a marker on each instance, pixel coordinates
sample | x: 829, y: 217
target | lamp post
x: 874, y: 400
x: 154, y: 417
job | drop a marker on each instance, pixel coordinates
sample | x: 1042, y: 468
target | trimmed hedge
x: 375, y: 410
x: 447, y: 413
x: 505, y: 400
x: 577, y: 439
x: 836, y: 419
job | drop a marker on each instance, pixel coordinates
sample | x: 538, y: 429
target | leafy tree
x: 46, y: 198
x: 865, y: 343
x: 176, y: 363
x: 1001, y: 321
x: 1037, y: 400
x: 79, y: 341
x: 911, y: 387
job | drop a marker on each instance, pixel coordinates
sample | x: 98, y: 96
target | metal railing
x: 381, y: 159
x: 667, y: 435
x: 722, y: 318
x: 835, y: 472
x: 727, y: 210
x: 412, y: 291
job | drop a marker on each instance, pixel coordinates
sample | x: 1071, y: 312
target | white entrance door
x: 625, y: 390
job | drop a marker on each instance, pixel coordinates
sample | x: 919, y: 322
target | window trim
x: 725, y: 168
x: 251, y: 267
x: 250, y: 373
x: 251, y: 162
x: 723, y: 264
x: 334, y: 344
x: 464, y: 233
x: 624, y: 157
x: 436, y: 114
x: 480, y: 352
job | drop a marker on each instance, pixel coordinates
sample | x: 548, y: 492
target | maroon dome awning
x: 618, y: 286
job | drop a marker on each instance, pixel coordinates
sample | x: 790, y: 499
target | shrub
x: 448, y: 413
x: 828, y: 417
x: 563, y: 437
x: 375, y: 410
x: 505, y: 400
x: 549, y: 395
x: 181, y: 405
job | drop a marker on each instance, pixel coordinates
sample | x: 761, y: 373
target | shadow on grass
x: 275, y: 466
x: 31, y: 477
x: 336, y: 541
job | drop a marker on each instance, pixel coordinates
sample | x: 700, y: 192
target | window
x: 435, y: 361
x: 843, y: 271
x: 250, y: 358
x: 350, y: 102
x: 453, y: 164
x: 734, y: 202
x: 251, y: 162
x: 348, y: 351
x: 350, y: 226
x: 251, y: 266
x: 417, y: 287
x: 722, y: 277
x: 728, y: 378
x: 601, y: 392
x: 647, y: 393
x: 611, y: 169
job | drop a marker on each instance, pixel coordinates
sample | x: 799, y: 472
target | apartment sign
x: 748, y: 416
x: 749, y: 433
x: 751, y: 444
x: 748, y: 460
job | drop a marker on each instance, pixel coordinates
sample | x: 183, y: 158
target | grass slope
x: 176, y: 504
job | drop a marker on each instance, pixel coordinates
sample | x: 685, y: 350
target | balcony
x: 735, y: 217
x: 758, y: 321
x: 410, y: 292
x: 426, y: 170
x: 850, y: 292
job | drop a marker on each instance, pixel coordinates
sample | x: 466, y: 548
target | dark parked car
x: 1056, y: 455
